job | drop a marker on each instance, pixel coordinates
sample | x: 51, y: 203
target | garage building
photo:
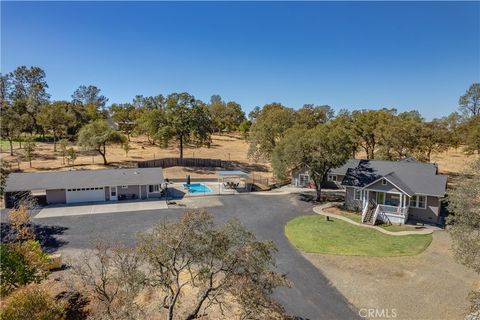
x: 65, y: 187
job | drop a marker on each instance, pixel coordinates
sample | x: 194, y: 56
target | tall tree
x: 55, y: 118
x: 217, y: 111
x: 368, y: 126
x: 148, y: 122
x: 319, y: 149
x: 226, y: 116
x: 4, y: 89
x: 309, y: 116
x: 269, y: 126
x: 90, y: 98
x: 28, y: 91
x: 97, y: 135
x: 398, y: 136
x: 124, y: 115
x: 469, y: 103
x: 11, y: 127
x: 471, y: 129
x: 453, y: 123
x: 187, y: 120
x: 434, y: 137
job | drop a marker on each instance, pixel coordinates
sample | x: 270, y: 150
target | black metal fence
x: 185, y: 162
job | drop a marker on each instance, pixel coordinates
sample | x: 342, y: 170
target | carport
x: 234, y: 180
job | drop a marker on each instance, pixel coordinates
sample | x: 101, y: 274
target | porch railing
x: 401, y: 211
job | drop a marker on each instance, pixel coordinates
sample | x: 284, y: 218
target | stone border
x: 319, y: 210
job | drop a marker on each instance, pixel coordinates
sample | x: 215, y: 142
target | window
x: 303, y: 179
x: 358, y: 194
x: 421, y: 202
x: 418, y: 202
x: 153, y: 188
x: 332, y: 177
x: 384, y: 182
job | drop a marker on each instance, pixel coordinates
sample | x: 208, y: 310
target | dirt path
x: 428, y: 286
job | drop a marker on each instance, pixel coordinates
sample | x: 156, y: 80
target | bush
x: 22, y: 263
x: 31, y: 303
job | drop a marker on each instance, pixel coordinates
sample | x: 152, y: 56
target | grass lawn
x: 314, y: 234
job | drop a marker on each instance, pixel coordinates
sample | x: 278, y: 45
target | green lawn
x: 316, y: 235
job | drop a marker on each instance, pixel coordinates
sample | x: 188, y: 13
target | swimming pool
x: 197, y: 188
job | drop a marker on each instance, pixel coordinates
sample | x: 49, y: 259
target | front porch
x: 388, y: 207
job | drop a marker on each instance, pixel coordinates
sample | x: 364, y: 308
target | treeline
x: 180, y: 118
x: 381, y: 134
x: 27, y: 111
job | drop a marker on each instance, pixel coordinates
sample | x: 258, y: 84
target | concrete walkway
x: 319, y: 210
x: 98, y: 208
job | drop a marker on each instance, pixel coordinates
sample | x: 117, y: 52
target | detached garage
x: 85, y: 195
x: 64, y: 187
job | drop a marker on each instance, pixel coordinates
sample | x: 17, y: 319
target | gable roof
x: 410, y: 176
x: 396, y: 181
x: 49, y: 180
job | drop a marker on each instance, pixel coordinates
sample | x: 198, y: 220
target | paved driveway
x: 312, y: 296
x: 97, y: 208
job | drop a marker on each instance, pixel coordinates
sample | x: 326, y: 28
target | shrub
x: 31, y: 303
x: 22, y: 263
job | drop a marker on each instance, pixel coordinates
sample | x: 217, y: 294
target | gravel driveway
x: 312, y: 297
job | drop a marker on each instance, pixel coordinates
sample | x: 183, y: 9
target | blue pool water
x: 197, y: 188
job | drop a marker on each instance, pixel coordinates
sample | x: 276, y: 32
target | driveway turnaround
x: 76, y: 210
x: 312, y: 295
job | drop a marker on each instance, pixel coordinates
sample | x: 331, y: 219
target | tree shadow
x: 46, y: 235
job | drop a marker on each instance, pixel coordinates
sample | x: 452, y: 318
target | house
x: 394, y: 191
x: 301, y: 176
x: 64, y: 187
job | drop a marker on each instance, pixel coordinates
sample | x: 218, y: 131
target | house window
x: 153, y: 188
x: 303, y: 179
x: 332, y: 177
x: 358, y: 194
x: 384, y: 182
x: 418, y: 202
x: 422, y: 203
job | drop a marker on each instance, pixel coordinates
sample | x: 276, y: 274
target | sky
x: 349, y: 55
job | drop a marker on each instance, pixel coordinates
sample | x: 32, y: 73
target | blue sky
x: 346, y: 54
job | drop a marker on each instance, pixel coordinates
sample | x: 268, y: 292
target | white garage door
x: 85, y: 195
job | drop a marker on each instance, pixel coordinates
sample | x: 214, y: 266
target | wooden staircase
x: 369, y: 215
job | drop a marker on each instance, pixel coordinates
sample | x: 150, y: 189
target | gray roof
x: 410, y: 176
x: 342, y: 170
x: 49, y: 180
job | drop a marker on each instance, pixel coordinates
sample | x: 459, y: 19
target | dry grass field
x: 226, y: 147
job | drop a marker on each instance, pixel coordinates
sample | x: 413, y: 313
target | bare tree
x: 113, y: 276
x: 215, y: 261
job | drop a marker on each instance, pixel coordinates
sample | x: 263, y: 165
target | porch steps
x: 369, y: 215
